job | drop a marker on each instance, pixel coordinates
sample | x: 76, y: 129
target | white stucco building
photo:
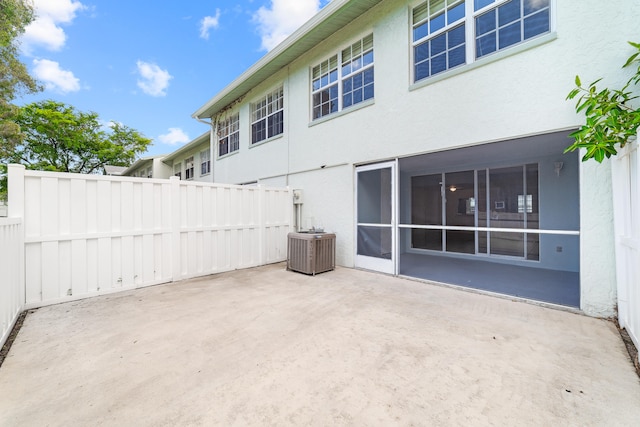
x: 192, y: 161
x: 149, y: 167
x: 430, y: 135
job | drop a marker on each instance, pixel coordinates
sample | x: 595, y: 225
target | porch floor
x: 552, y: 286
x: 266, y: 346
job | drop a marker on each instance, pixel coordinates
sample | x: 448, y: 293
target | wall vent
x: 311, y: 253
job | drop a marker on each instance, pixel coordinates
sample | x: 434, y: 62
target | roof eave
x: 318, y: 27
x: 197, y: 141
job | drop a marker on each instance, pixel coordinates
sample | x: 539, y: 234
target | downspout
x: 211, y: 134
x: 297, y: 206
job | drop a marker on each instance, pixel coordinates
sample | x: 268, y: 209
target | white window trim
x: 188, y: 168
x: 218, y: 137
x: 252, y: 106
x: 341, y: 110
x: 264, y: 141
x: 341, y: 113
x: 471, y: 61
x: 208, y: 151
x: 485, y: 60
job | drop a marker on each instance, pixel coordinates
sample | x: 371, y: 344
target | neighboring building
x: 114, y: 170
x: 429, y: 136
x: 192, y: 161
x: 149, y: 167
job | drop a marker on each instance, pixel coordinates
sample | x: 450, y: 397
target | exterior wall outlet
x: 297, y: 197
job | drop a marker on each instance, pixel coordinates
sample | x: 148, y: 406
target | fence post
x: 176, y: 250
x: 15, y: 176
x: 262, y: 212
x: 15, y: 187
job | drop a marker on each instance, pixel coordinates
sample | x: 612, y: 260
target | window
x: 438, y: 36
x: 177, y: 170
x: 510, y: 23
x: 188, y: 168
x: 205, y: 162
x: 229, y: 135
x: 267, y: 116
x: 458, y: 212
x: 521, y: 203
x: 343, y: 80
x: 149, y: 172
x: 444, y: 29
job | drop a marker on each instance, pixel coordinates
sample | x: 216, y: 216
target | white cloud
x: 209, y: 22
x: 54, y: 77
x: 45, y: 30
x: 108, y: 126
x: 154, y: 80
x: 282, y: 19
x: 174, y: 136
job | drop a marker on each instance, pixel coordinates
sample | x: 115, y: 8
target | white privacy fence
x: 88, y: 235
x: 11, y: 275
x: 626, y: 198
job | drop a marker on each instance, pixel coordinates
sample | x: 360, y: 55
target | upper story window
x: 267, y: 116
x: 439, y: 37
x: 205, y: 162
x: 188, y: 168
x: 449, y: 33
x: 509, y: 23
x: 229, y: 135
x: 177, y: 170
x: 149, y: 172
x: 343, y: 80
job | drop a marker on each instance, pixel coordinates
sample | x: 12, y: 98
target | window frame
x: 177, y: 170
x: 189, y: 168
x: 228, y: 135
x: 470, y: 21
x: 272, y: 106
x: 205, y: 162
x: 332, y: 75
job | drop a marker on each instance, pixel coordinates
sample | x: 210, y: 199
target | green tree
x: 611, y: 118
x: 15, y: 80
x: 59, y: 138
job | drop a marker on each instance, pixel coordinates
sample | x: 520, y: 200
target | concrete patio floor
x: 269, y: 347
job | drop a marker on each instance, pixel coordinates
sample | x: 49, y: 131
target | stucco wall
x: 514, y: 93
x: 160, y: 169
x: 597, y: 241
x: 195, y: 152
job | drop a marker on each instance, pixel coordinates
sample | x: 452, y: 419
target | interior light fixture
x: 453, y: 188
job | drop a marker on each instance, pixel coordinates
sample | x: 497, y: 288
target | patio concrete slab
x: 269, y: 347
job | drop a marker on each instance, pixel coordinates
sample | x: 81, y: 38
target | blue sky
x: 151, y: 64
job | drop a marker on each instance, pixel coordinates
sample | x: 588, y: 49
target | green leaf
x: 573, y: 94
x: 610, y: 118
x: 598, y: 156
x: 631, y: 59
x: 595, y: 82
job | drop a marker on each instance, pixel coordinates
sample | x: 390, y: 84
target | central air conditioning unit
x: 311, y: 253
